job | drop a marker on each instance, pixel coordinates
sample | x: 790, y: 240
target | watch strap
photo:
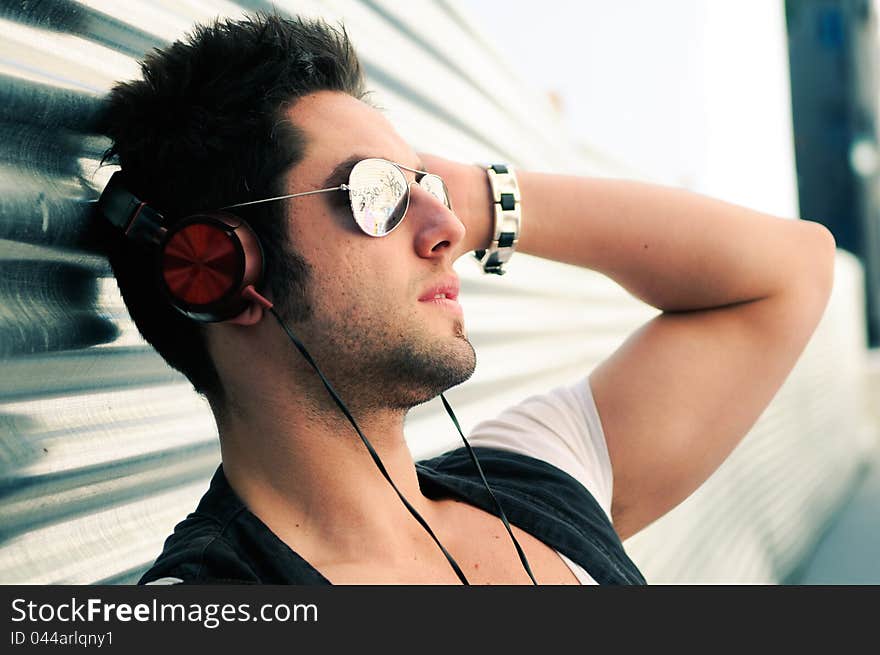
x: 507, y: 215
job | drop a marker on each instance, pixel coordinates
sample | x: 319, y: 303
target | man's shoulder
x: 223, y: 542
x: 198, y: 551
x: 560, y: 427
x: 540, y: 498
x: 520, y: 476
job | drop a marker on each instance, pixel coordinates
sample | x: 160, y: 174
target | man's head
x: 205, y: 128
x: 266, y: 107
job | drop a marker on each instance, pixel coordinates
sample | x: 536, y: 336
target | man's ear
x: 257, y: 306
x: 250, y: 316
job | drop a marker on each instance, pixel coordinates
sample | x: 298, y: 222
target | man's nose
x: 438, y: 230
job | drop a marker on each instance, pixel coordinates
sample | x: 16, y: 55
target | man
x: 253, y: 110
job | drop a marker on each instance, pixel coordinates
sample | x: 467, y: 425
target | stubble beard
x: 373, y: 367
x: 395, y: 370
x: 419, y: 372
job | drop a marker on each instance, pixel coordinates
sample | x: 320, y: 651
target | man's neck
x: 309, y: 477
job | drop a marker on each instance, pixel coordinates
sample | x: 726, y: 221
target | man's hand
x: 469, y: 191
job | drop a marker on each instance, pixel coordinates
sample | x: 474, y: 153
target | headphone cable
x: 381, y: 467
x: 373, y: 454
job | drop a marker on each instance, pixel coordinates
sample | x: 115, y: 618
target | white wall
x: 693, y: 93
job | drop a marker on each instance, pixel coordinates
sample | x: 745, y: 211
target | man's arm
x: 741, y: 293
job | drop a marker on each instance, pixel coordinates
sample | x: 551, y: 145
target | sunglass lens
x: 379, y: 197
x: 435, y: 186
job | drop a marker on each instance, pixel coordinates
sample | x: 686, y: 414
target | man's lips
x: 447, y: 286
x: 445, y: 303
x: 444, y: 293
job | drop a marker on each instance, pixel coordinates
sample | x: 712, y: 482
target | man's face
x: 369, y: 332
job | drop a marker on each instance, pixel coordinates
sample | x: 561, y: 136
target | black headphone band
x: 136, y: 219
x: 204, y: 262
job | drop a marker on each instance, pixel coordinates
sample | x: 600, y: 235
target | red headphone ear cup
x: 201, y: 263
x: 206, y: 263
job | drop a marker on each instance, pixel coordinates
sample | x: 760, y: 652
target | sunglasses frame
x: 348, y: 188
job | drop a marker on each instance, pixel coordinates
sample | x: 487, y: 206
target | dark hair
x: 205, y: 128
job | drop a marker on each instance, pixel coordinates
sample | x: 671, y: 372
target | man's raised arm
x: 741, y: 294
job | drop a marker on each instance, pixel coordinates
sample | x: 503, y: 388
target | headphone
x: 209, y: 265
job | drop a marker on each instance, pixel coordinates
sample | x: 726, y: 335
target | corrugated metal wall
x: 103, y: 448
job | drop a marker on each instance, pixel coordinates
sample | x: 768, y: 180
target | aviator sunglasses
x: 379, y: 193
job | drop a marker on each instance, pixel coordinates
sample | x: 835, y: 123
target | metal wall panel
x: 833, y: 50
x: 103, y: 448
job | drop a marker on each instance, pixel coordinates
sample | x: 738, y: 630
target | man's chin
x: 420, y: 379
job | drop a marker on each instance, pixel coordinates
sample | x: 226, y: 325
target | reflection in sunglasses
x: 378, y: 207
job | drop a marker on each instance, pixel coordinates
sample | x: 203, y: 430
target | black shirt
x: 223, y: 542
